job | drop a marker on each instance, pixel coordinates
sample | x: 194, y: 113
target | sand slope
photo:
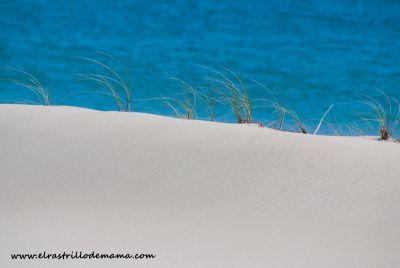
x: 196, y: 194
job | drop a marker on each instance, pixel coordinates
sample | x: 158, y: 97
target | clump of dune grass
x: 385, y: 114
x: 233, y: 92
x: 184, y: 104
x: 182, y: 108
x: 282, y: 113
x: 111, y: 83
x: 33, y: 84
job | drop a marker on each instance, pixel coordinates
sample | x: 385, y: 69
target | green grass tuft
x: 111, y: 82
x: 385, y: 114
x: 33, y: 84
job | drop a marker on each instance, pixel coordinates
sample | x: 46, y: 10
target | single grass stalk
x: 33, y: 84
x: 111, y: 83
x: 322, y: 119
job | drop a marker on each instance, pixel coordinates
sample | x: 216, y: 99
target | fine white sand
x: 194, y: 193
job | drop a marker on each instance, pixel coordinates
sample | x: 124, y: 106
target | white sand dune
x: 194, y: 193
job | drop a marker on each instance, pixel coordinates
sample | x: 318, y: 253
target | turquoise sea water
x: 311, y: 53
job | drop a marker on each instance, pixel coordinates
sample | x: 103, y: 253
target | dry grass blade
x: 322, y: 119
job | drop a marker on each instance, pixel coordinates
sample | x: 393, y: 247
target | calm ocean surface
x: 311, y: 53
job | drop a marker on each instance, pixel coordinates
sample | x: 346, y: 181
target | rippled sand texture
x: 195, y: 193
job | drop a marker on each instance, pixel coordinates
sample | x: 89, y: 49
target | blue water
x: 311, y: 53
